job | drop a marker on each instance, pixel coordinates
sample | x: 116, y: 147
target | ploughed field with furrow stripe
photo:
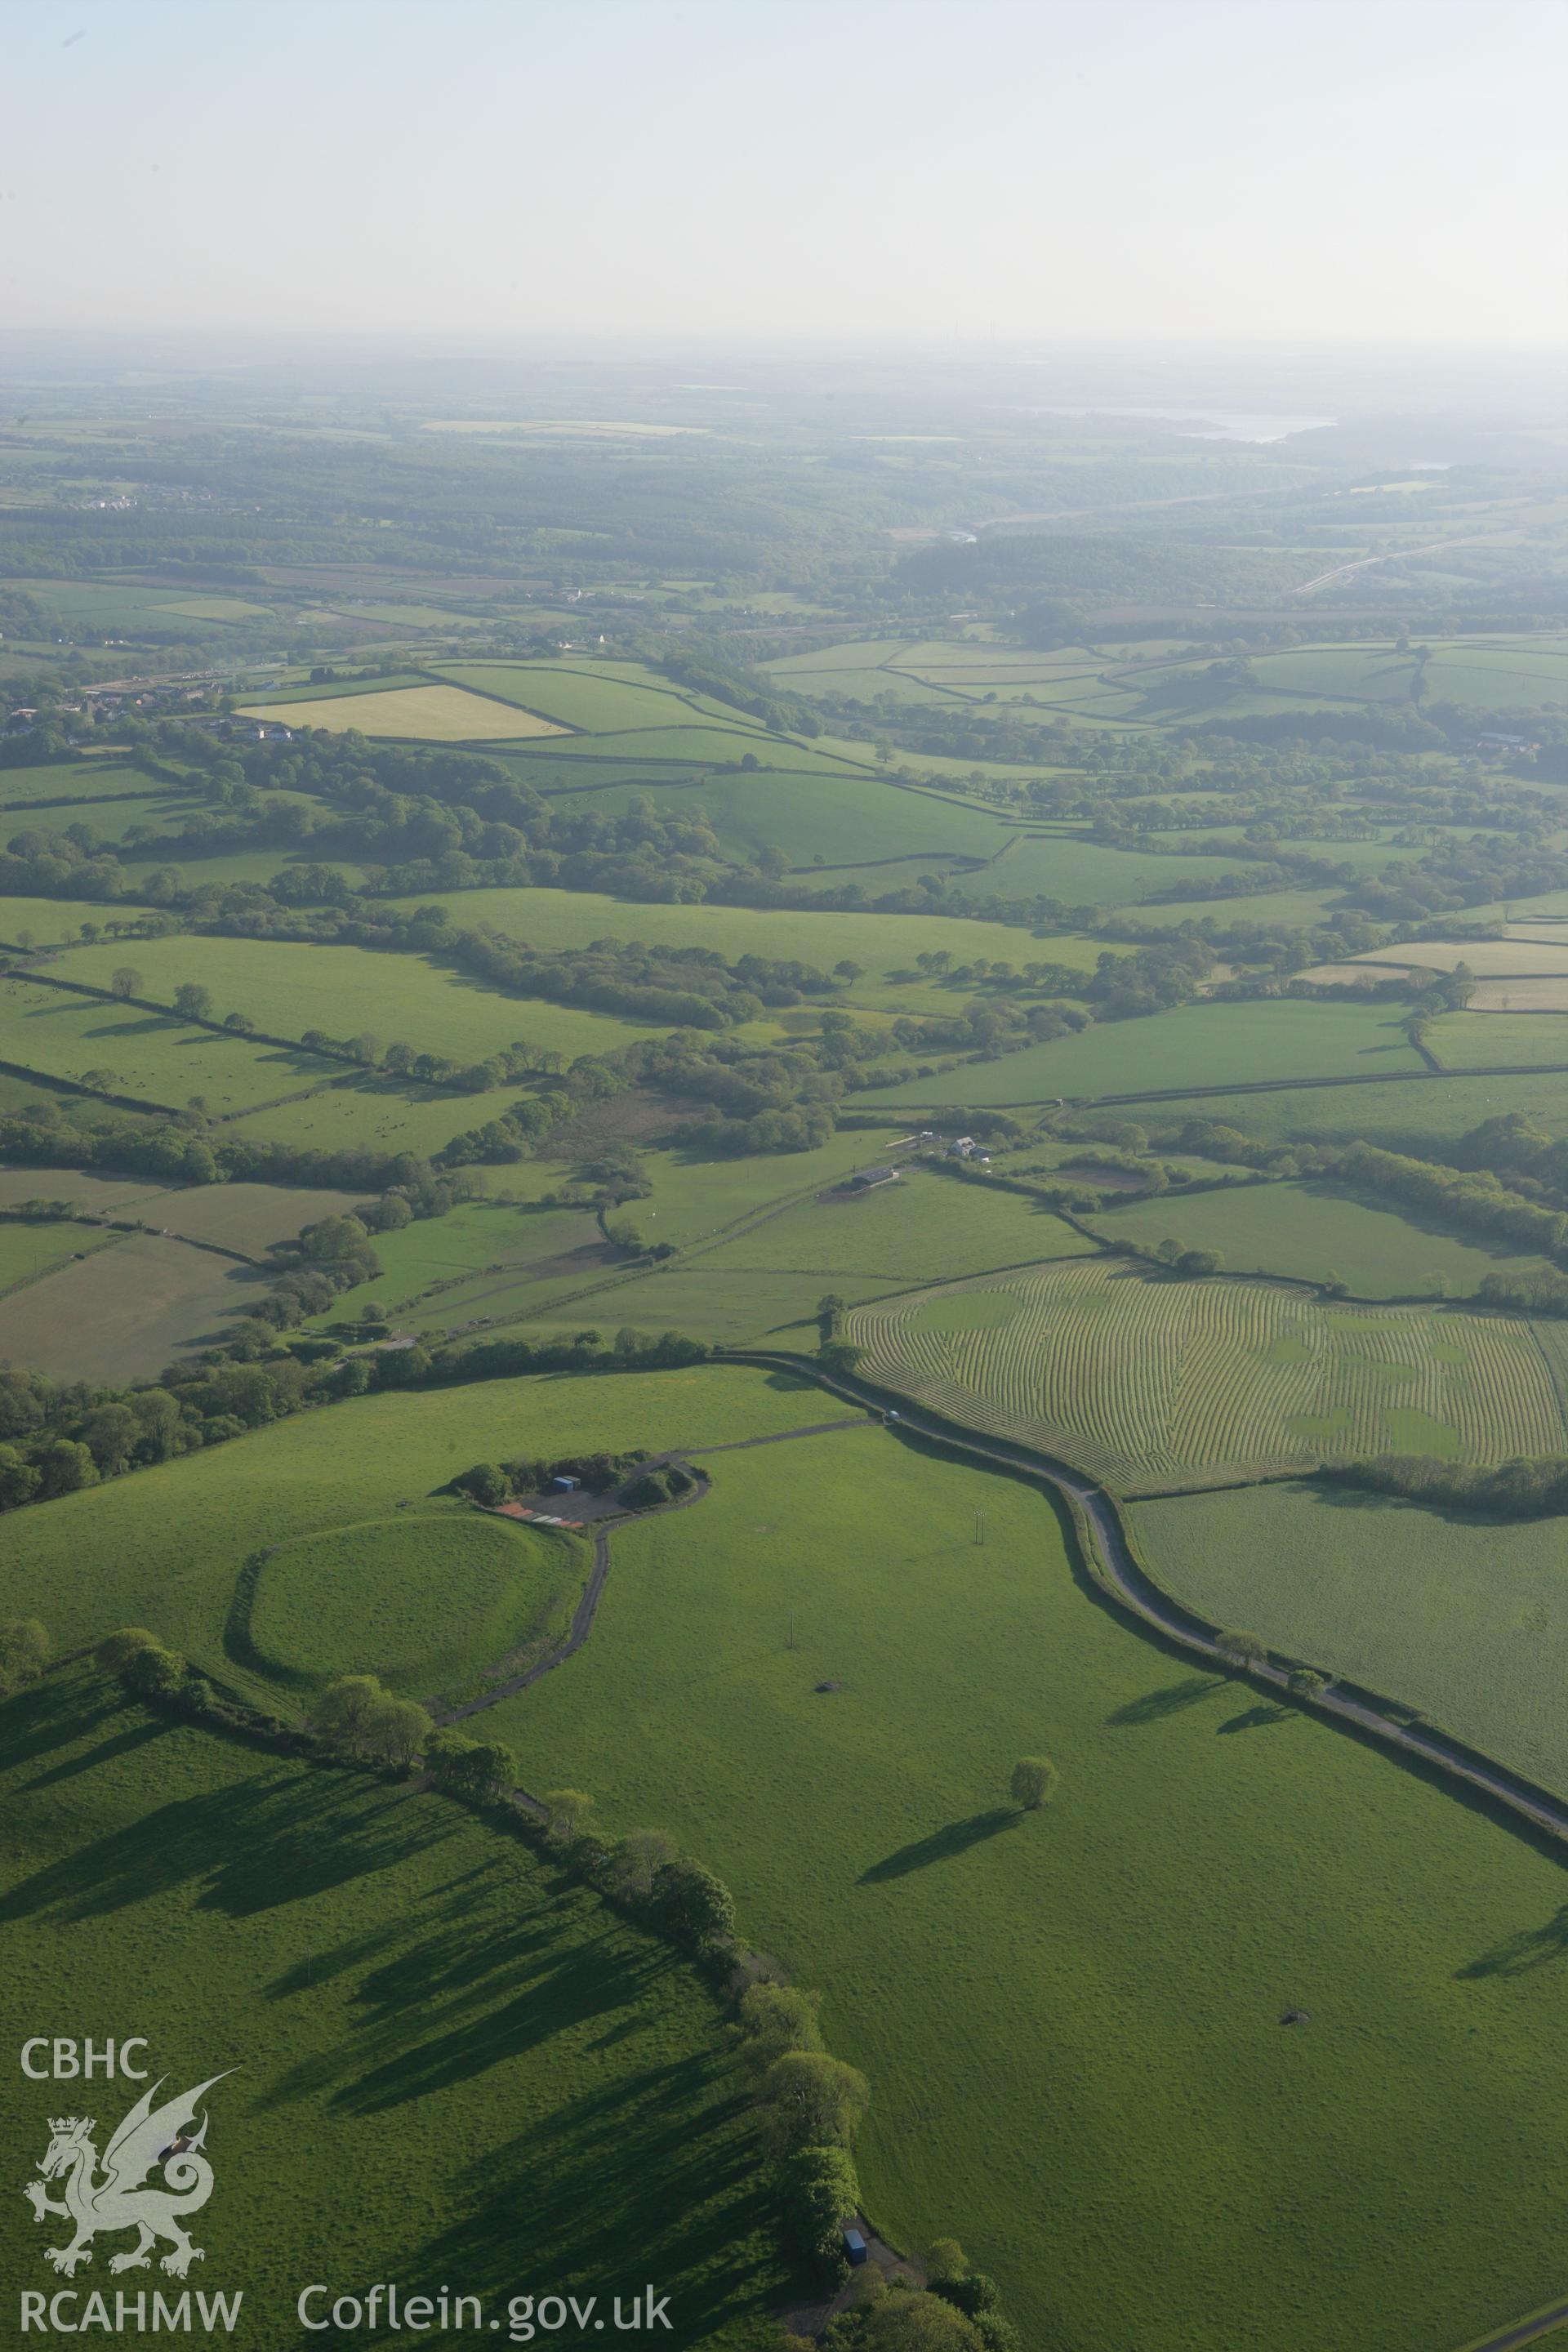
x: 1154, y: 1382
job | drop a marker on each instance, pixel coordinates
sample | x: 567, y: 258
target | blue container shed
x: 564, y: 1485
x: 855, y: 2245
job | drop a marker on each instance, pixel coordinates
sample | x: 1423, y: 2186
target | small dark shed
x: 855, y: 2245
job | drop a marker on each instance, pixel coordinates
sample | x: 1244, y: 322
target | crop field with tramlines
x: 1153, y: 1382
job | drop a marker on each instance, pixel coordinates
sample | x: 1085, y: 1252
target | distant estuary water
x: 1202, y: 424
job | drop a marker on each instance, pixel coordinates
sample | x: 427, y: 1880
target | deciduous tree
x: 1034, y: 1783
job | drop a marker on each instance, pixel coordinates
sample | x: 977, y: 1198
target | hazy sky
x: 1388, y: 171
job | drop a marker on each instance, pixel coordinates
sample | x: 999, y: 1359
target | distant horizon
x: 1270, y: 176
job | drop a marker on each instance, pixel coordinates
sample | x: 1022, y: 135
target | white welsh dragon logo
x: 148, y: 2136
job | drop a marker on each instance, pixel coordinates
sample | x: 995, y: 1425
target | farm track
x: 587, y: 1607
x: 736, y: 1230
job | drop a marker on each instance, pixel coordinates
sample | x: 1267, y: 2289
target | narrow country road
x: 1393, y: 555
x: 1108, y: 1560
x: 1120, y: 1573
x: 1523, y: 2331
x: 1115, y: 1569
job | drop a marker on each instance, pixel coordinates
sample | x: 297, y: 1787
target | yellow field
x: 1521, y: 995
x: 1535, y: 954
x: 1155, y: 1383
x: 574, y: 427
x: 428, y: 714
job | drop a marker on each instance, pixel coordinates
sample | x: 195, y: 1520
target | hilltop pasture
x: 427, y: 1600
x: 596, y: 697
x: 1045, y: 2031
x: 487, y: 1258
x: 764, y: 1284
x: 1429, y: 1113
x: 164, y: 1546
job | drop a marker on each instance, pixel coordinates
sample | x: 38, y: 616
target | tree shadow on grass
x: 1258, y: 1718
x: 253, y: 1846
x: 51, y: 1714
x: 554, y: 1989
x: 1156, y: 1704
x: 121, y: 1743
x: 1532, y: 1948
x: 441, y: 2001
x: 651, y: 2174
x: 953, y: 1838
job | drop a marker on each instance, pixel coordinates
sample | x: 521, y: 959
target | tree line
x: 58, y: 1437
x: 1523, y: 1488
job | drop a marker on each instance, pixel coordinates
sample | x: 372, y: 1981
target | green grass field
x: 1309, y: 1230
x: 108, y: 604
x: 486, y: 1256
x: 1462, y: 1617
x: 44, y: 922
x: 1478, y: 1041
x: 885, y: 946
x: 1070, y: 2021
x: 287, y: 987
x: 426, y: 714
x: 427, y: 1598
x: 375, y: 1112
x: 109, y: 819
x: 1426, y: 1114
x: 235, y: 1216
x: 763, y: 1284
x: 598, y: 698
x: 87, y: 1189
x: 726, y: 1307
x: 152, y: 1056
x: 1486, y: 674
x: 523, y: 1265
x: 824, y: 820
x: 1515, y: 957
x: 163, y: 1548
x: 450, y: 2066
x: 87, y: 783
x: 1287, y: 906
x: 122, y: 1313
x: 1151, y: 1382
x: 1086, y: 873
x: 899, y: 1232
x: 1197, y: 1046
x: 27, y: 1251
